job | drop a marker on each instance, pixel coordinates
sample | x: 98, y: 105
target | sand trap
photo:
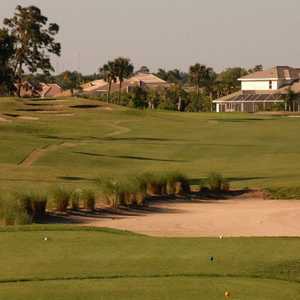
x: 28, y: 118
x: 4, y: 120
x: 107, y: 108
x: 62, y: 115
x: 230, y: 218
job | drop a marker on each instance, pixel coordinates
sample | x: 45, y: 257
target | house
x: 145, y: 80
x: 28, y: 90
x: 263, y: 91
x: 94, y: 86
x: 49, y: 90
x: 39, y: 90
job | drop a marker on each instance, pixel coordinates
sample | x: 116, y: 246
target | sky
x: 172, y: 33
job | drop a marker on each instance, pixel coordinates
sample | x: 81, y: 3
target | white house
x: 262, y: 90
x: 271, y: 79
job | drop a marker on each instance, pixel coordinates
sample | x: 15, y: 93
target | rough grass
x: 283, y: 193
x: 111, y: 264
x: 252, y: 151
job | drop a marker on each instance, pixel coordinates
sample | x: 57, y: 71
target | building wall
x: 259, y: 85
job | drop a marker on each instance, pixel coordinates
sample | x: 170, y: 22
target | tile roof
x: 50, y: 90
x: 146, y: 78
x: 94, y: 86
x: 277, y: 73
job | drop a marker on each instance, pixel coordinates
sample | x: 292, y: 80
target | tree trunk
x: 19, y: 87
x: 19, y: 84
x: 109, y: 91
x: 120, y: 91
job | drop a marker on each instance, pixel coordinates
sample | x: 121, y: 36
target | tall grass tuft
x: 61, y: 198
x: 89, y: 199
x: 126, y: 192
x: 75, y: 199
x: 155, y: 182
x: 13, y: 212
x: 177, y: 184
x: 34, y: 203
x: 113, y: 191
x: 217, y: 183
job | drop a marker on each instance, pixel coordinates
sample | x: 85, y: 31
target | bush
x: 89, y: 199
x: 61, y: 199
x: 217, y: 183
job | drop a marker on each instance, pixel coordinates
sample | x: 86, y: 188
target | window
x: 270, y: 85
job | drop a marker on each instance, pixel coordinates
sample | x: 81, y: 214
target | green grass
x: 108, y: 264
x: 253, y: 151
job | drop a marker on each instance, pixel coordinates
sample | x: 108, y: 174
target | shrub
x: 217, y: 183
x: 61, y: 199
x: 89, y: 199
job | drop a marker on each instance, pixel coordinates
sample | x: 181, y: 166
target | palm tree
x: 124, y: 69
x: 202, y: 76
x: 108, y: 71
x: 290, y: 98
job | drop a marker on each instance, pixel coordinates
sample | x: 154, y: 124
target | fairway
x: 73, y: 141
x: 106, y: 264
x: 46, y: 143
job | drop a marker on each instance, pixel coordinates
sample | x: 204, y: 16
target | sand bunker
x: 63, y: 115
x: 4, y: 120
x: 28, y: 118
x: 213, y: 218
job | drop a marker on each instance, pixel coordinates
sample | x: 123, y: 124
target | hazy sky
x: 172, y: 33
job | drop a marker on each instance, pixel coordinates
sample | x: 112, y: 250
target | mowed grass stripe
x: 150, y: 276
x: 257, y: 151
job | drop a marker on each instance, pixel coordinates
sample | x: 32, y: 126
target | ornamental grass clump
x: 34, y: 203
x: 89, y: 199
x: 12, y: 213
x: 75, y: 199
x: 217, y: 183
x: 123, y: 192
x: 133, y: 192
x: 61, y: 198
x: 156, y: 183
x: 113, y: 191
x: 177, y: 184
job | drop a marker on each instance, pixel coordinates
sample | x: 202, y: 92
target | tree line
x: 28, y: 41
